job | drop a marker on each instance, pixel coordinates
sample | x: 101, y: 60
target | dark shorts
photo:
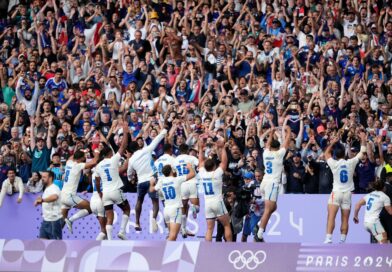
x: 143, y: 189
x: 52, y: 230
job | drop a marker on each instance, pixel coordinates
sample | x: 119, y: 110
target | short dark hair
x: 133, y: 147
x: 11, y: 169
x: 58, y: 70
x: 78, y: 155
x: 339, y: 151
x: 105, y: 151
x: 184, y: 148
x: 275, y: 144
x: 209, y: 165
x: 50, y: 174
x: 166, y: 170
x: 167, y: 148
x: 377, y: 185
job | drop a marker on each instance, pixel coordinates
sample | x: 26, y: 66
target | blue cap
x: 249, y: 175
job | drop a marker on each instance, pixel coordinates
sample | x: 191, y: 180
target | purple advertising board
x: 190, y: 256
x: 299, y: 219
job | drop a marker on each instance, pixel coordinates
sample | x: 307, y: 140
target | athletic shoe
x: 69, y: 224
x: 328, y: 241
x: 184, y: 233
x: 154, y: 225
x: 258, y: 240
x: 260, y: 234
x: 122, y: 236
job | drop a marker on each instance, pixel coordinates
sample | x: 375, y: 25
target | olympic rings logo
x: 247, y: 259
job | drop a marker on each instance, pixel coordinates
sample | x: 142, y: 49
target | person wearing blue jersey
x: 57, y: 170
x: 56, y: 82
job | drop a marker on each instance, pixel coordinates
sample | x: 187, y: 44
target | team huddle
x: 177, y: 181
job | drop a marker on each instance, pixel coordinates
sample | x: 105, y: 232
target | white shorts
x: 376, y: 229
x: 343, y: 200
x: 113, y: 197
x: 69, y: 201
x: 96, y: 206
x: 269, y: 191
x: 172, y: 215
x: 189, y: 190
x: 214, y: 209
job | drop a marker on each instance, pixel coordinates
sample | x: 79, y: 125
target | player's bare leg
x: 384, y: 239
x: 332, y: 211
x: 344, y: 225
x: 138, y: 210
x: 102, y: 223
x: 64, y: 212
x: 174, y: 229
x: 126, y: 209
x: 155, y: 210
x: 195, y: 207
x: 84, y: 210
x: 184, y: 217
x: 269, y: 209
x: 109, y: 221
x: 210, y: 229
x: 225, y: 221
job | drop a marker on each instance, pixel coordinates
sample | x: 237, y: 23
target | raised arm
x: 151, y: 147
x: 287, y: 139
x: 124, y: 142
x: 191, y: 173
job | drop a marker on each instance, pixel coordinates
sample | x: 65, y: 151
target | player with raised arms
x: 69, y: 198
x: 273, y: 163
x: 170, y: 186
x: 343, y: 184
x: 188, y: 189
x: 211, y: 177
x: 375, y: 202
x: 108, y: 171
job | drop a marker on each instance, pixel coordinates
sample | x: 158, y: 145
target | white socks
x: 124, y: 222
x: 343, y: 238
x: 260, y: 233
x: 109, y: 230
x: 100, y: 236
x: 183, y: 222
x: 78, y: 215
x: 328, y: 239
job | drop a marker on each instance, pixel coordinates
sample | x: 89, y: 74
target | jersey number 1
x: 108, y: 174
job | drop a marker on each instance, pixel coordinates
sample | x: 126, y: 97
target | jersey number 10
x: 170, y: 192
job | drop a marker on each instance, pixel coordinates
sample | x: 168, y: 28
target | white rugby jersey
x: 375, y: 202
x: 212, y: 183
x: 171, y: 190
x: 72, y: 175
x: 181, y: 162
x: 163, y: 160
x: 343, y: 172
x: 273, y: 165
x: 142, y: 161
x: 108, y: 171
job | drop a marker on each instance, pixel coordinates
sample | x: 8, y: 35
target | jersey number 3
x: 268, y: 167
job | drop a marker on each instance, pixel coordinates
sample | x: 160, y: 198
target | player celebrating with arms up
x: 69, y: 199
x: 211, y: 177
x: 273, y: 162
x: 375, y: 202
x: 343, y: 185
x: 108, y: 171
x: 171, y: 190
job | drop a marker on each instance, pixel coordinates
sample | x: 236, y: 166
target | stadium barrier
x: 192, y: 256
x: 299, y: 219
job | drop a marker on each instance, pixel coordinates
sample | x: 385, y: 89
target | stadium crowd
x: 72, y: 71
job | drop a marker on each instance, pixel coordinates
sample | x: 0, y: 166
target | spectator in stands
x: 12, y: 185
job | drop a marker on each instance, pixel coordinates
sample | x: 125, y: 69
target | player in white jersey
x: 69, y: 199
x: 343, y: 184
x: 108, y: 171
x: 142, y: 163
x: 273, y: 163
x: 375, y: 202
x: 166, y: 159
x: 171, y: 186
x: 96, y: 205
x: 210, y: 177
x: 188, y: 189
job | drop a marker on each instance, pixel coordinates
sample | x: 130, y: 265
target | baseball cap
x: 320, y: 129
x: 249, y: 175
